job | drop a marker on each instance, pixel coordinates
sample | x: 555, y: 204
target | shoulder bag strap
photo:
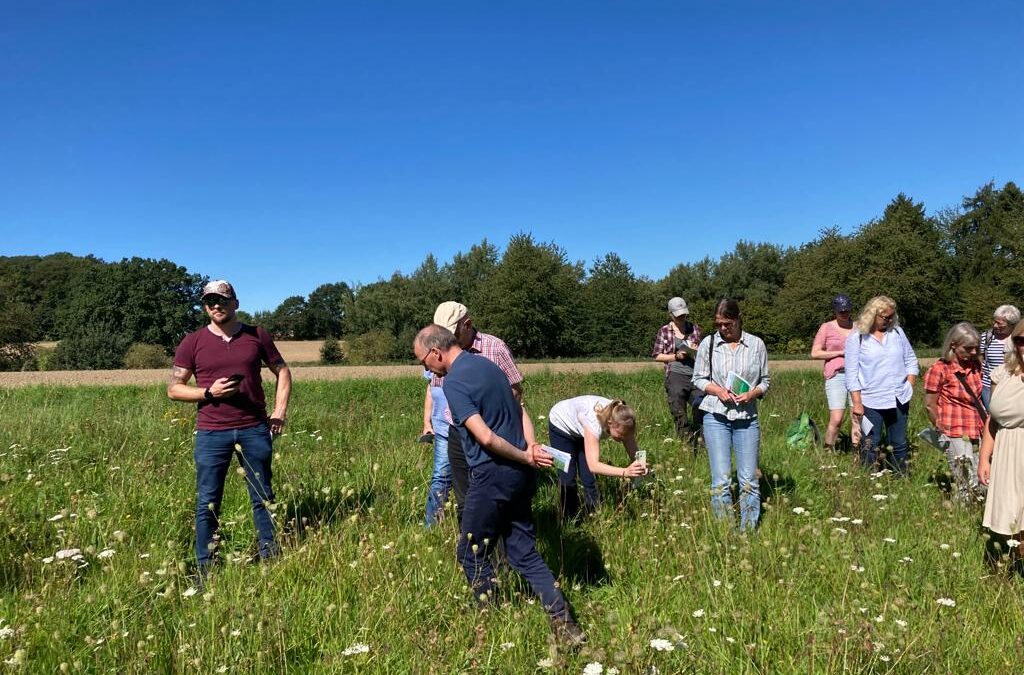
x: 978, y: 405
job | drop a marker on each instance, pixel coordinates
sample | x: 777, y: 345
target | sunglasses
x: 212, y: 300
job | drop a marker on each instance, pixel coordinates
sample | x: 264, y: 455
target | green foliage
x: 326, y: 308
x: 16, y: 334
x: 141, y: 356
x: 95, y: 347
x: 144, y: 300
x: 374, y: 347
x: 331, y: 351
x: 532, y: 300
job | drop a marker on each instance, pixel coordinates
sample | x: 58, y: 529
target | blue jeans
x: 440, y: 481
x: 986, y: 396
x: 499, y: 506
x: 895, y: 422
x: 723, y: 437
x: 568, y: 493
x: 213, y: 452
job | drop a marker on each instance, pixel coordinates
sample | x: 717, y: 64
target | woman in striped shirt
x: 731, y: 368
x: 994, y: 344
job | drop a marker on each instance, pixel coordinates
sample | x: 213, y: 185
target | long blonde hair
x: 866, y: 320
x: 1013, y: 363
x: 617, y: 413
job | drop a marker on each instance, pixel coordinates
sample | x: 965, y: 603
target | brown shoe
x: 568, y: 633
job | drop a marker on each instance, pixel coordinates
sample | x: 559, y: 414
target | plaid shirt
x: 957, y: 415
x: 493, y: 349
x: 665, y: 340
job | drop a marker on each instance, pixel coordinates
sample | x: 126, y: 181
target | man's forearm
x: 185, y: 392
x: 284, y: 392
x: 503, y: 448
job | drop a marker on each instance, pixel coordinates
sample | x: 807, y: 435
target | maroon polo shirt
x: 211, y: 357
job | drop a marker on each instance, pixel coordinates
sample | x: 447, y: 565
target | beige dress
x: 1004, y: 506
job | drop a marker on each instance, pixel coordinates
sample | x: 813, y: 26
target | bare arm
x: 499, y: 446
x: 988, y: 442
x: 178, y: 388
x: 529, y: 433
x: 931, y: 404
x: 428, y: 407
x: 592, y: 450
x: 284, y: 391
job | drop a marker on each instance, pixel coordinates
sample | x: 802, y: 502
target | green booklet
x: 737, y: 384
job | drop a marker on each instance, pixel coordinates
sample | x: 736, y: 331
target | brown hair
x: 617, y: 413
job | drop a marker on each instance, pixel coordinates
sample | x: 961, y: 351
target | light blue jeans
x: 440, y: 481
x: 723, y: 438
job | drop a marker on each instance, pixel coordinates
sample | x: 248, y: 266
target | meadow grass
x: 845, y: 573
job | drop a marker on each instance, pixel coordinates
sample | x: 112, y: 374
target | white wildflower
x: 357, y: 648
x: 889, y: 540
x: 593, y: 668
x: 946, y: 602
x: 105, y: 553
x: 505, y: 646
x: 698, y: 613
x: 662, y: 645
x: 66, y: 553
x: 189, y: 592
x: 799, y: 510
x: 545, y: 664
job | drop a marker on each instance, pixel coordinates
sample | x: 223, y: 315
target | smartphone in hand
x: 236, y: 378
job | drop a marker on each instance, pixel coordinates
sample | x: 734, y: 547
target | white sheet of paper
x: 562, y: 460
x: 865, y: 425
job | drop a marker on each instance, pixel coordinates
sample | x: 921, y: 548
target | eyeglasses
x: 423, y: 361
x: 213, y: 300
x: 887, y: 317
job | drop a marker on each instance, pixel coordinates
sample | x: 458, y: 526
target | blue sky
x: 285, y: 145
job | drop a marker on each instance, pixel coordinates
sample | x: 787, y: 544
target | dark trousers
x: 568, y: 492
x: 499, y: 507
x: 679, y: 390
x: 459, y: 468
x: 895, y: 422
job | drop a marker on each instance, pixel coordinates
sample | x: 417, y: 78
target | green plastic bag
x: 802, y: 434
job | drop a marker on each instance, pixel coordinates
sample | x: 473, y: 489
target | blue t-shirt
x: 475, y: 386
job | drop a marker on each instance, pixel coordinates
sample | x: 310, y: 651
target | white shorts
x: 835, y: 392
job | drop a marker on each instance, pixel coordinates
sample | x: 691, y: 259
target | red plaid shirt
x: 958, y: 417
x: 493, y: 349
x: 665, y: 341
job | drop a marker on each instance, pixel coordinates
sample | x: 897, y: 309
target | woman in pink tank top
x: 828, y: 347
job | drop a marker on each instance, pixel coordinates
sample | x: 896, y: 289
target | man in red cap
x: 225, y: 357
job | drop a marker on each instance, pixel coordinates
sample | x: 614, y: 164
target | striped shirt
x: 993, y: 355
x: 749, y: 360
x: 493, y: 349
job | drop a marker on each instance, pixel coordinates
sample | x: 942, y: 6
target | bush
x: 94, y: 348
x: 142, y: 356
x: 45, y: 358
x: 331, y: 352
x: 373, y: 347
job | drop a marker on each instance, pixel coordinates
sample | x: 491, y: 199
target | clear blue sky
x: 285, y: 145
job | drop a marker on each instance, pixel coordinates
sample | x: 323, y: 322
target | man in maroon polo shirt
x: 225, y: 357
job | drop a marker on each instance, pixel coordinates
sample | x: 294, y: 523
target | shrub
x: 93, y: 348
x: 331, y: 351
x: 142, y: 356
x: 45, y: 358
x: 373, y: 347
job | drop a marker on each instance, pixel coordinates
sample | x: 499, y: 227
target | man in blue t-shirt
x: 502, y: 481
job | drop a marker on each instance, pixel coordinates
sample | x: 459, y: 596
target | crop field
x: 849, y: 572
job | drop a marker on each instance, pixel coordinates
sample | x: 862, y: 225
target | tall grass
x: 844, y: 575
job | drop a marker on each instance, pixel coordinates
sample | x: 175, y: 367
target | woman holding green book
x: 731, y: 368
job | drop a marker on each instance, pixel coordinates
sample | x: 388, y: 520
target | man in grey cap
x: 675, y: 346
x: 455, y: 317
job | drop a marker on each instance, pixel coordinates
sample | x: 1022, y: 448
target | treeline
x: 957, y: 264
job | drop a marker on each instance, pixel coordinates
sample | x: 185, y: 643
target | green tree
x: 144, y: 300
x: 532, y: 301
x: 902, y: 256
x: 16, y: 335
x: 326, y: 308
x: 468, y: 273
x: 288, y: 320
x: 614, y: 310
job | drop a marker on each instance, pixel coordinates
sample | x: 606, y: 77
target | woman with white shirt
x: 731, y: 368
x: 881, y: 369
x: 576, y: 426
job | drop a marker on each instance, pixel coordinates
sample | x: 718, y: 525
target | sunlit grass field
x: 847, y: 573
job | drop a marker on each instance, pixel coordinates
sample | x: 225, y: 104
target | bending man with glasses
x: 225, y: 357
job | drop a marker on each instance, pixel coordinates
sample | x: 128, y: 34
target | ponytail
x: 617, y: 413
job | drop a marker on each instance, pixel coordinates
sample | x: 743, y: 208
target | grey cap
x: 677, y: 307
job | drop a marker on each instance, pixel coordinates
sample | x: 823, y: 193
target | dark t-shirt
x: 474, y: 386
x: 211, y: 357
